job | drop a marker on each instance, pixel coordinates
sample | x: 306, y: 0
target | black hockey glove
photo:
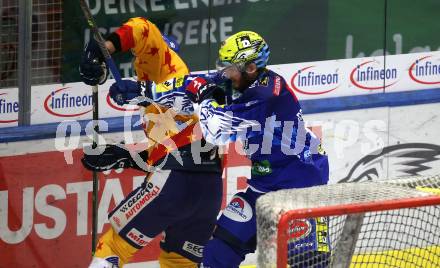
x: 200, y: 89
x: 114, y: 156
x: 219, y: 95
x: 92, y: 68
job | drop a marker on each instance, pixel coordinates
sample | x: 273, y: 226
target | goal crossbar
x: 334, y: 224
x: 338, y: 210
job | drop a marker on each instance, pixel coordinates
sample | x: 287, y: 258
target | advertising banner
x: 360, y: 76
x: 296, y: 30
x: 200, y: 26
x: 46, y: 213
x: 417, y: 73
x: 45, y: 198
x: 9, y: 107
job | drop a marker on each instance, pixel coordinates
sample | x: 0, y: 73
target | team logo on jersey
x: 321, y: 150
x: 299, y: 229
x: 425, y: 71
x: 138, y: 238
x: 264, y: 81
x: 238, y: 210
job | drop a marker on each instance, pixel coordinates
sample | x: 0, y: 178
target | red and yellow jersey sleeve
x: 155, y: 61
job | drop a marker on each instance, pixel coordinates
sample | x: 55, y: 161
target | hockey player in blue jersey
x: 182, y: 191
x: 266, y: 118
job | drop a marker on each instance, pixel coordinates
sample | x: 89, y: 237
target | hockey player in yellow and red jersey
x: 183, y: 197
x: 265, y: 116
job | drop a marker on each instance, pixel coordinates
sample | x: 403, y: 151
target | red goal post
x: 369, y: 224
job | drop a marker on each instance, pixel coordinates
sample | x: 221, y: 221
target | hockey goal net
x: 367, y: 224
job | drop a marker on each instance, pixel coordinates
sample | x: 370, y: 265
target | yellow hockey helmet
x: 243, y: 47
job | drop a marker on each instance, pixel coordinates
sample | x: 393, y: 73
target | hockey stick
x: 111, y: 64
x: 95, y: 173
x: 101, y: 42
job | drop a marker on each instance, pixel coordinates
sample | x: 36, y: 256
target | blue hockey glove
x: 200, y: 89
x: 92, y: 68
x: 132, y: 90
x: 171, y: 42
x: 114, y: 156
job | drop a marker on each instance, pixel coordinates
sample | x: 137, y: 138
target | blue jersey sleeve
x: 172, y: 93
x: 222, y: 124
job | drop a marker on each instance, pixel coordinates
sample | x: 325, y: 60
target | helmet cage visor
x: 223, y: 66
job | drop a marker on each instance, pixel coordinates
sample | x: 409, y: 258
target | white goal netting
x: 370, y: 224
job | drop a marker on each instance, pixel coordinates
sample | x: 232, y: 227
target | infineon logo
x: 127, y: 108
x: 8, y: 109
x: 370, y: 75
x: 311, y: 81
x: 65, y: 103
x: 424, y: 71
